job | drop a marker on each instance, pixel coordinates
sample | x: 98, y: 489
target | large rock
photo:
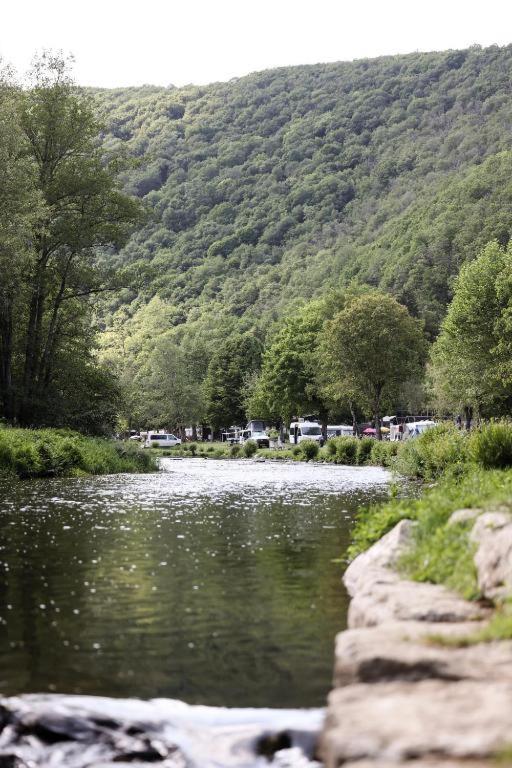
x: 492, y: 535
x: 393, y: 599
x: 403, y: 651
x: 382, y: 557
x: 379, y: 594
x: 432, y: 719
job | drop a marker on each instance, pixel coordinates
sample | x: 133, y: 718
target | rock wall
x: 399, y: 698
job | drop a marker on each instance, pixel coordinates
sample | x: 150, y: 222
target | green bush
x: 437, y: 450
x: 249, y: 448
x: 210, y: 449
x: 296, y: 451
x: 346, y: 450
x: 309, y: 449
x: 235, y: 449
x: 383, y: 453
x: 491, y: 446
x: 192, y: 447
x: 331, y: 447
x: 51, y: 452
x: 364, y: 450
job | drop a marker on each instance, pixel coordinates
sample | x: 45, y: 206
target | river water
x: 212, y: 582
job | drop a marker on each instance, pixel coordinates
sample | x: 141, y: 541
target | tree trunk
x: 468, y: 415
x: 355, y: 428
x: 6, y: 330
x: 378, y: 425
x: 194, y: 432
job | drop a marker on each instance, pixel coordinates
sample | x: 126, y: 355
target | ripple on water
x: 211, y: 581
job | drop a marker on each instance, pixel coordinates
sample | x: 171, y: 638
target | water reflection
x: 211, y: 582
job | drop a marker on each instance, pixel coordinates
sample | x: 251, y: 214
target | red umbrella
x: 369, y: 431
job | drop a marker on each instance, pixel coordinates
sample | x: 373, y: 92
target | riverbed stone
x: 492, y: 535
x: 431, y: 719
x: 405, y: 651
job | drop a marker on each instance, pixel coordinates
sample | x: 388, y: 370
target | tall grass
x: 56, y: 452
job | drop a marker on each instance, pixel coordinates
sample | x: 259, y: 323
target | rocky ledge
x: 401, y: 699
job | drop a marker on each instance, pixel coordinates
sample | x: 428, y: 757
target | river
x: 212, y: 582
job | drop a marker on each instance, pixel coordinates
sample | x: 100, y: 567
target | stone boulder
x: 492, y: 536
x: 404, y: 651
x: 433, y: 720
x: 379, y: 594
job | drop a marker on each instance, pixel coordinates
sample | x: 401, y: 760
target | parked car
x: 161, y: 440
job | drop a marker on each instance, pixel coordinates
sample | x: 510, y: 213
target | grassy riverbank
x: 58, y: 452
x: 343, y: 450
x: 468, y: 471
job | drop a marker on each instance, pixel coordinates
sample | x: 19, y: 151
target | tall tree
x: 470, y: 362
x: 287, y: 384
x: 223, y: 387
x: 20, y: 208
x: 83, y: 210
x: 371, y: 347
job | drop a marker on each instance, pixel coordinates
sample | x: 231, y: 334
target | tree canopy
x: 370, y: 350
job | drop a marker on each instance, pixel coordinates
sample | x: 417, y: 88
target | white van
x: 161, y: 440
x: 305, y: 430
x: 255, y: 430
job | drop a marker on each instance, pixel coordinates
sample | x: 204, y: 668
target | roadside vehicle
x: 305, y: 430
x: 255, y: 430
x: 339, y: 430
x: 161, y: 440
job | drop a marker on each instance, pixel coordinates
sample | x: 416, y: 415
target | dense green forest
x: 259, y: 195
x: 269, y: 190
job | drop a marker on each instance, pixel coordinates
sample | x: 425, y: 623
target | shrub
x: 383, y: 453
x: 346, y: 450
x: 309, y: 449
x: 364, y: 450
x: 434, y: 452
x: 26, y: 461
x: 235, y: 449
x: 296, y: 451
x: 331, y: 447
x: 210, y: 449
x: 491, y: 446
x: 249, y: 448
x: 192, y: 447
x: 49, y: 452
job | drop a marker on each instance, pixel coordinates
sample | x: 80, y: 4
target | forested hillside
x: 273, y: 188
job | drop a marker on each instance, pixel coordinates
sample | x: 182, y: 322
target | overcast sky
x: 130, y: 42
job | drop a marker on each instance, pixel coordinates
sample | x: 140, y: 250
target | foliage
x: 64, y: 205
x: 235, y: 450
x: 384, y: 453
x: 309, y: 449
x: 249, y: 448
x: 436, y: 451
x: 364, y: 450
x: 470, y: 359
x: 51, y: 452
x: 369, y: 348
x: 346, y: 449
x: 491, y: 446
x: 223, y: 386
x: 286, y: 386
x: 275, y: 186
